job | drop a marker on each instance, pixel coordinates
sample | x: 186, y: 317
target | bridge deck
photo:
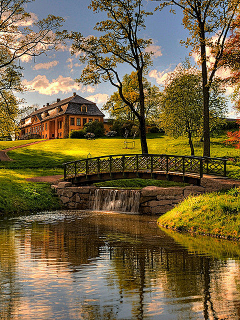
x: 161, y: 167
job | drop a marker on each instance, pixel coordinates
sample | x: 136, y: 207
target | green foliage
x: 119, y: 110
x: 77, y: 134
x: 95, y: 127
x: 182, y: 104
x: 119, y: 44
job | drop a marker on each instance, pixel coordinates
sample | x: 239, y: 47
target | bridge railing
x: 146, y: 162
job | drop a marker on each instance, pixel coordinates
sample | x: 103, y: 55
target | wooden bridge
x: 188, y: 169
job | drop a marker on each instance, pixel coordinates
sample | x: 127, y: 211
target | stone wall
x: 153, y: 200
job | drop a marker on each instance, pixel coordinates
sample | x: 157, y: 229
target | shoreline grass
x: 214, y: 214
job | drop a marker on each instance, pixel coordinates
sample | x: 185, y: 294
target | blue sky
x: 52, y: 76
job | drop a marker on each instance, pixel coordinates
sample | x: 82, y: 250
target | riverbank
x: 214, y: 214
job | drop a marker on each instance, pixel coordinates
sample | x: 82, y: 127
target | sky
x: 51, y: 76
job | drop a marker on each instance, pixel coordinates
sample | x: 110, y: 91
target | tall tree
x: 22, y: 34
x: 118, y: 109
x: 182, y: 104
x: 119, y: 44
x: 208, y: 22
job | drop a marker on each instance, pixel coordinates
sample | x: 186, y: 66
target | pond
x: 94, y: 265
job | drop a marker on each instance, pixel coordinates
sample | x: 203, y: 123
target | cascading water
x: 116, y: 200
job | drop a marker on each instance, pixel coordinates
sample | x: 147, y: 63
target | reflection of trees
x: 142, y: 258
x: 8, y: 287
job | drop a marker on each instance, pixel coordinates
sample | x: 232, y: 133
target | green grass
x: 46, y: 158
x: 216, y: 214
x: 138, y: 183
x: 19, y: 196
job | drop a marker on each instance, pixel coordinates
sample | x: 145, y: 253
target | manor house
x: 57, y: 120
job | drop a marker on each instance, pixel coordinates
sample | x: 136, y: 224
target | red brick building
x: 59, y: 119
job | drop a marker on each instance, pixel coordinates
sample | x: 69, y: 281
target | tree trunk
x: 205, y: 88
x: 143, y: 136
x: 142, y: 120
x: 190, y: 142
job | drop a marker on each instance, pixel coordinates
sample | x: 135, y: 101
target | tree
x: 182, y: 104
x: 10, y: 82
x: 18, y: 39
x: 119, y: 44
x: 119, y: 110
x: 208, y: 22
x: 231, y: 60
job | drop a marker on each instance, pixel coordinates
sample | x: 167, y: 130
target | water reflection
x: 113, y: 266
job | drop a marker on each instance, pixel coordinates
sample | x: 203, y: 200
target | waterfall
x: 116, y: 200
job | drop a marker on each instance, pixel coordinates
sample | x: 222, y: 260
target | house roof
x: 70, y: 105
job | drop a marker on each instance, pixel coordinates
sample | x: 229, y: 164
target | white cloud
x: 99, y: 98
x: 156, y: 50
x: 160, y: 77
x: 42, y: 85
x: 46, y: 65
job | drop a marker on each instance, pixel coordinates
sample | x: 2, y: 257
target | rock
x: 64, y: 184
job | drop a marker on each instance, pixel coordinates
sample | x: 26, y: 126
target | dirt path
x: 49, y: 179
x: 5, y: 157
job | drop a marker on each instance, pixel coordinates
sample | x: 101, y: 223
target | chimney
x: 44, y: 106
x: 58, y: 100
x: 35, y: 109
x: 74, y: 94
x: 47, y: 104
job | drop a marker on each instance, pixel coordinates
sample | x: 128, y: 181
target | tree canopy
x: 120, y: 43
x: 182, y: 104
x: 119, y: 110
x: 22, y: 37
x: 208, y: 22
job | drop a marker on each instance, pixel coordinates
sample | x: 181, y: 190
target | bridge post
x: 201, y: 168
x: 123, y: 165
x: 110, y: 165
x: 167, y: 167
x: 225, y: 167
x: 151, y: 166
x: 98, y: 167
x: 183, y: 168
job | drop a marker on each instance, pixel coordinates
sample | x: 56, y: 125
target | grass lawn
x: 216, y: 214
x: 46, y: 158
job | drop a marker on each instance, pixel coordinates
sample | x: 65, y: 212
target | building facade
x: 57, y: 120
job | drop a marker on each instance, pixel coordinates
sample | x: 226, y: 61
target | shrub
x: 78, y: 134
x: 95, y: 127
x: 154, y: 129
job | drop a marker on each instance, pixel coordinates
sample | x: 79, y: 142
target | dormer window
x: 59, y: 109
x: 84, y: 108
x: 46, y: 114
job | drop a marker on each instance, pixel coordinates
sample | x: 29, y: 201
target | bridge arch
x: 156, y: 166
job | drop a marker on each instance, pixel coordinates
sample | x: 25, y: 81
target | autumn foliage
x: 233, y: 138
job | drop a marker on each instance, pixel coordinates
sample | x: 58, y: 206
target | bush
x: 154, y: 130
x: 95, y: 127
x: 78, y: 134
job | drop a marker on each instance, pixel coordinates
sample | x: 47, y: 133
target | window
x: 84, y: 121
x: 97, y: 120
x: 59, y: 124
x: 45, y: 126
x: 90, y: 120
x: 72, y: 121
x: 46, y: 135
x: 78, y: 121
x: 84, y: 109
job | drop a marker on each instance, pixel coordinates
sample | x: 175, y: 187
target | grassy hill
x: 46, y: 158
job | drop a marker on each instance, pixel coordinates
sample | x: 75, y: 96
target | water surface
x: 83, y: 265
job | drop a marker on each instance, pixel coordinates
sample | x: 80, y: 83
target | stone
x: 64, y: 200
x: 64, y: 184
x: 150, y: 191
